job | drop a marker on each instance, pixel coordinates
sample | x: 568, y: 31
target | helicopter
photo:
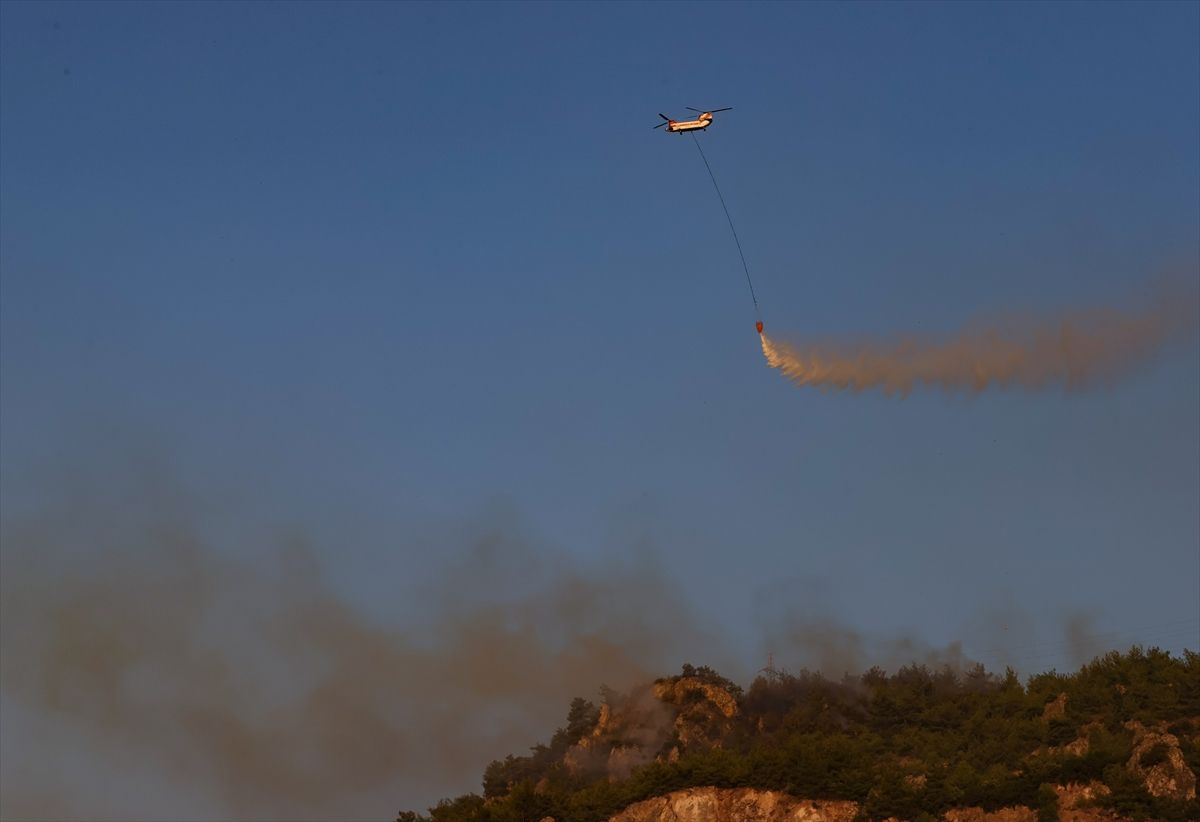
x: 699, y: 124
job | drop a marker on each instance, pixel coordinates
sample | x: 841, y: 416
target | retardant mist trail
x: 1075, y: 350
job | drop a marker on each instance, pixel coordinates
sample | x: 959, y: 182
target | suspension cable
x: 746, y: 268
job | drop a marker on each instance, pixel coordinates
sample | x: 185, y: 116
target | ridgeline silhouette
x: 1118, y: 739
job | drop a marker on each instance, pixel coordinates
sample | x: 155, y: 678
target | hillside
x: 1118, y: 739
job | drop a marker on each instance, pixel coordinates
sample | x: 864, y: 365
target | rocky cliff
x: 1158, y: 759
x: 748, y: 805
x: 735, y: 805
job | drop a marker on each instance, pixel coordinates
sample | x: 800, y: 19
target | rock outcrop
x: 1159, y: 761
x: 1075, y: 803
x: 735, y: 805
x: 1072, y: 807
x: 1018, y: 814
x: 749, y: 805
x: 692, y: 711
x: 681, y: 690
x: 1078, y: 747
x: 705, y: 710
x: 1055, y: 708
x: 623, y: 737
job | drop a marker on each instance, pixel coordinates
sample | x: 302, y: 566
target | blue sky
x: 349, y: 269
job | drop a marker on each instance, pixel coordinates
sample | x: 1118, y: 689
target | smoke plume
x: 1076, y: 350
x: 158, y: 657
x: 153, y: 671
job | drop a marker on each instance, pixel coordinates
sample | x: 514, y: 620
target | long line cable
x: 746, y: 268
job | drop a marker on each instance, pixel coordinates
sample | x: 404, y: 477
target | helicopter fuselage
x: 699, y: 124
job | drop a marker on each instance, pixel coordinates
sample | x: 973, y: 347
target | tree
x: 1047, y: 803
x: 581, y: 718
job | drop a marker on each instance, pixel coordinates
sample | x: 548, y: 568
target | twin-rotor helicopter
x: 699, y: 124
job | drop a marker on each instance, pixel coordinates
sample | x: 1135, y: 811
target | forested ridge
x: 909, y: 744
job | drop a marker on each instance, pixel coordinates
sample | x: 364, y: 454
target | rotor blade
x: 689, y: 108
x: 660, y: 125
x: 715, y: 110
x: 665, y: 117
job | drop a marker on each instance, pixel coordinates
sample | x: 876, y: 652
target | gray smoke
x: 146, y: 649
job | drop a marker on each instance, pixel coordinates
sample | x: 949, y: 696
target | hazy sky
x: 370, y: 272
